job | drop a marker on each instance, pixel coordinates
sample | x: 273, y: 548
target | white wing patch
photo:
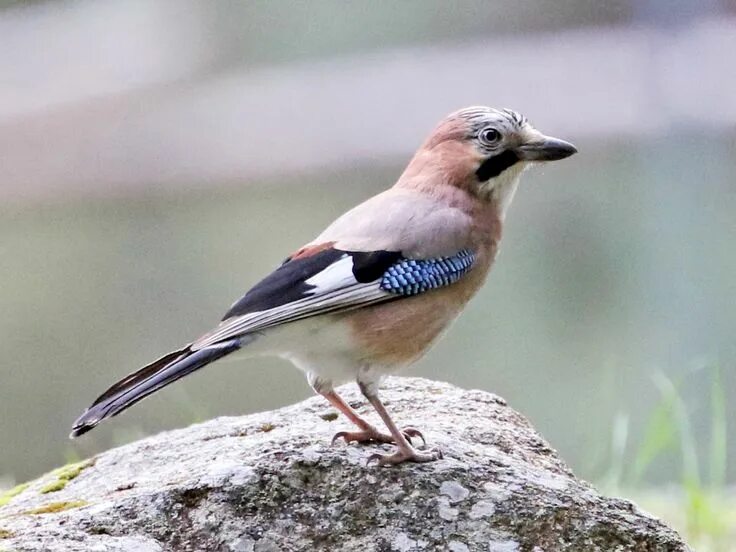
x: 339, y: 274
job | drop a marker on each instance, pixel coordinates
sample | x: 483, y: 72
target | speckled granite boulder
x: 271, y: 482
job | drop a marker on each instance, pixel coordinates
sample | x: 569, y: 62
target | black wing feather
x: 288, y: 282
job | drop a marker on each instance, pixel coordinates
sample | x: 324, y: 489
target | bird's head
x: 484, y: 151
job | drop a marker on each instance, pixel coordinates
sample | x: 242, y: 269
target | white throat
x: 501, y: 189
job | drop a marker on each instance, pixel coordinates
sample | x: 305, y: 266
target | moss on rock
x: 7, y: 496
x: 65, y: 474
x: 54, y: 486
x: 55, y: 507
x: 70, y: 471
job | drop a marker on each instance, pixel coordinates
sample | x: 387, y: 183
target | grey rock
x: 454, y: 491
x: 402, y: 543
x: 272, y: 482
x: 503, y: 546
x: 481, y: 509
x: 445, y: 511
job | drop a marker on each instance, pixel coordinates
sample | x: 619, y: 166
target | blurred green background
x: 158, y: 158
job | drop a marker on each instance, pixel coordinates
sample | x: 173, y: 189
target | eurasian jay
x: 372, y: 292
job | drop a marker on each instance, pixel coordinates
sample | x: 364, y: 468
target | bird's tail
x: 149, y: 379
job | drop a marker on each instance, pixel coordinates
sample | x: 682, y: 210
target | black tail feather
x: 147, y: 380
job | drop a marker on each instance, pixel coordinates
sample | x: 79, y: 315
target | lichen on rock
x: 272, y: 482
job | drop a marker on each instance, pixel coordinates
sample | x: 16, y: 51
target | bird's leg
x: 368, y: 433
x: 405, y: 451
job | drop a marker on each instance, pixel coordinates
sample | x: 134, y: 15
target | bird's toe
x: 362, y: 436
x: 405, y: 455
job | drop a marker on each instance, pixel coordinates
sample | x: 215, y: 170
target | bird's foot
x: 372, y: 435
x: 408, y: 454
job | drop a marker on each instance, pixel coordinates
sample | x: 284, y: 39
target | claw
x: 410, y: 432
x: 337, y: 437
x: 377, y: 457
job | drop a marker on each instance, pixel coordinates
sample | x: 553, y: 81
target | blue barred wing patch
x: 411, y: 277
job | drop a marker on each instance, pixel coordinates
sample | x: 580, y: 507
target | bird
x: 377, y: 288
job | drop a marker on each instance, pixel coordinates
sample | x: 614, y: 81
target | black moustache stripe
x: 493, y: 166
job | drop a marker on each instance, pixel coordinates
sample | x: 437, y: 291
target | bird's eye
x: 489, y: 136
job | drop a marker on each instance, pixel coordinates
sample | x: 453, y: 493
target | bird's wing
x: 333, y: 280
x: 343, y: 273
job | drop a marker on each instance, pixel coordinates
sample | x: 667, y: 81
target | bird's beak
x: 545, y: 148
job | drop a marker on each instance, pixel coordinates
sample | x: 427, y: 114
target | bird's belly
x: 321, y: 346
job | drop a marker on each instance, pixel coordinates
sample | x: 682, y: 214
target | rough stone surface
x: 271, y: 482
